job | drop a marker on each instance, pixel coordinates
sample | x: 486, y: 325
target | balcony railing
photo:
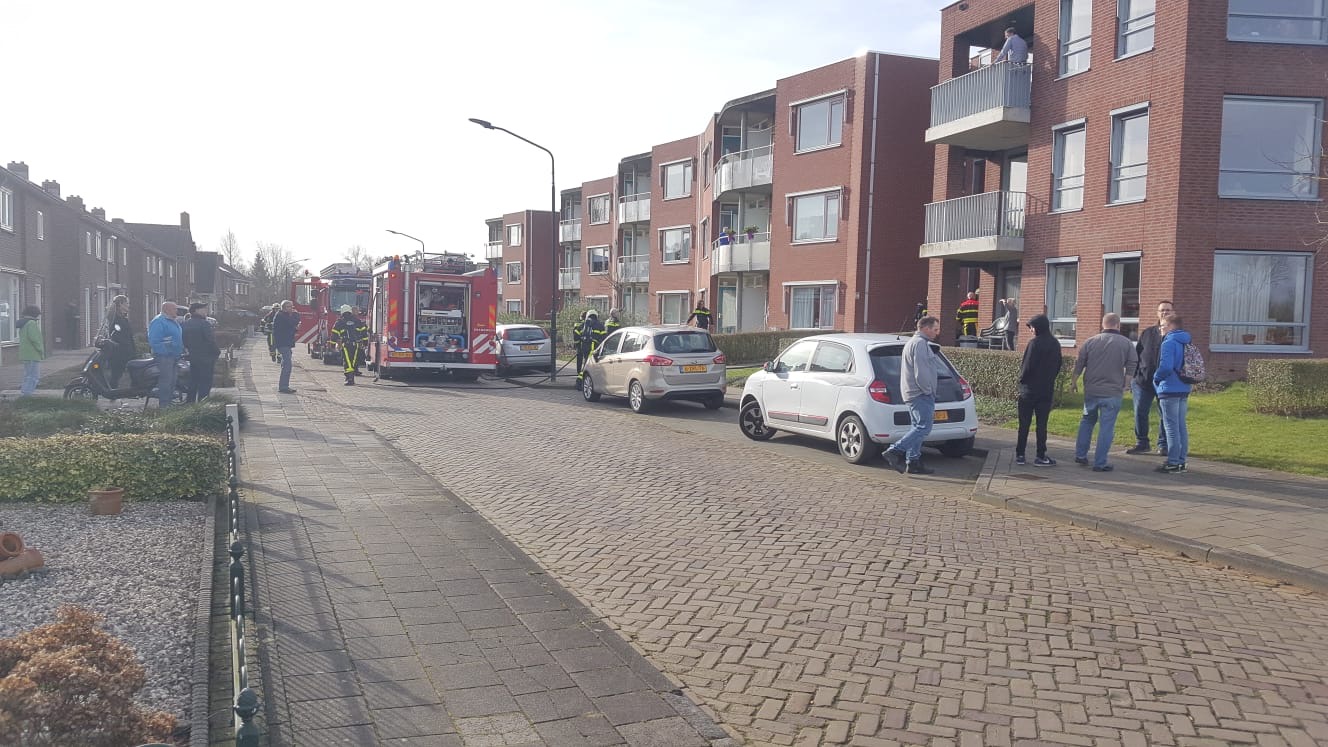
x: 569, y: 278
x: 745, y: 169
x: 569, y: 230
x: 634, y: 269
x: 987, y: 108
x: 633, y: 208
x: 741, y: 254
x: 986, y: 226
x: 493, y: 250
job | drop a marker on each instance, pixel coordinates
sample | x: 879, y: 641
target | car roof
x: 520, y: 326
x: 658, y: 328
x: 861, y: 339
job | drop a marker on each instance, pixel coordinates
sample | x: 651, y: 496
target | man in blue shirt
x: 167, y: 344
x: 1015, y: 49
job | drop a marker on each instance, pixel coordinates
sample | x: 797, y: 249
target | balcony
x: 569, y: 230
x: 634, y: 208
x: 569, y: 278
x: 987, y: 228
x: 745, y: 169
x: 493, y: 250
x: 743, y: 255
x: 633, y: 269
x: 987, y: 109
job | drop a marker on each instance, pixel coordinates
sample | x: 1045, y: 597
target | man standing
x: 1173, y: 393
x: 201, y: 342
x: 1149, y: 348
x: 283, y: 340
x: 1015, y: 49
x: 31, y: 349
x: 702, y: 316
x: 578, y: 330
x: 350, y: 333
x: 1037, y: 385
x: 967, y: 315
x: 918, y: 370
x: 167, y: 343
x: 1106, y: 360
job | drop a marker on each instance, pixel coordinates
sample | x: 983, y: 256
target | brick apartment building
x: 1147, y: 151
x: 520, y: 248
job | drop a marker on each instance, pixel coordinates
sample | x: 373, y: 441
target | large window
x: 1283, y: 21
x: 816, y: 217
x: 513, y: 272
x: 1067, y: 178
x: 811, y: 307
x: 9, y: 307
x: 599, y: 259
x: 1261, y: 299
x: 677, y: 244
x: 1135, y: 21
x: 820, y: 123
x: 514, y: 234
x: 6, y: 210
x: 1063, y: 298
x: 1120, y: 290
x: 672, y: 308
x: 513, y: 307
x: 1076, y: 35
x: 677, y: 179
x: 1129, y: 156
x: 598, y: 209
x: 1270, y: 147
x: 41, y: 226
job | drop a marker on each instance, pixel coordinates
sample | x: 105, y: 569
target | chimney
x: 99, y: 213
x: 52, y: 187
x: 75, y: 201
x: 184, y: 221
x: 19, y: 168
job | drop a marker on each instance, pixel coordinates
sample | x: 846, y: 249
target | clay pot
x: 11, y: 545
x: 106, y: 502
x: 27, y: 560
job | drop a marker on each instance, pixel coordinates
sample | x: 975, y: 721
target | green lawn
x: 738, y: 376
x: 1224, y: 428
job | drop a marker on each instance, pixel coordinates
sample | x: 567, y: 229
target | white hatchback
x: 845, y: 388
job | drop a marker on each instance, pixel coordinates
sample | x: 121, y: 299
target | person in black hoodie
x: 1037, y: 388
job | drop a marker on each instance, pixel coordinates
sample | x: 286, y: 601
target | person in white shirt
x: 1015, y: 49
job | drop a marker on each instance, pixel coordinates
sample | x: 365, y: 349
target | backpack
x: 1192, y: 369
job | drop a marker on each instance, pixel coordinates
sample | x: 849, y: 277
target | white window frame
x: 1263, y: 349
x: 1111, y: 264
x: 823, y: 286
x: 688, y: 173
x: 685, y: 255
x: 1119, y: 118
x: 41, y: 226
x: 683, y: 309
x: 590, y: 260
x: 508, y: 304
x: 1309, y: 176
x: 507, y: 273
x: 1127, y: 26
x: 87, y: 242
x: 6, y: 210
x: 1050, y: 292
x: 124, y: 261
x: 795, y: 198
x: 11, y: 294
x: 1322, y: 20
x: 1058, y: 134
x: 1063, y: 53
x: 830, y: 100
x: 98, y: 245
x: 514, y: 236
x: 110, y: 250
x: 607, y: 200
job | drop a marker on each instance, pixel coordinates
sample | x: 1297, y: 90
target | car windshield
x: 885, y: 361
x: 525, y: 334
x: 681, y: 343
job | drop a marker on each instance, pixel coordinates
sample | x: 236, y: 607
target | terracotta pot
x: 11, y: 545
x: 106, y: 502
x: 26, y: 561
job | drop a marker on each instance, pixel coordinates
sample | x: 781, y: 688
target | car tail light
x: 879, y: 392
x: 657, y: 360
x: 968, y: 390
x: 720, y: 359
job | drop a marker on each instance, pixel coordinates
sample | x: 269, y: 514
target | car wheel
x: 636, y: 398
x: 714, y: 403
x: 588, y: 389
x: 752, y: 424
x: 854, y: 443
x: 79, y: 390
x: 958, y: 448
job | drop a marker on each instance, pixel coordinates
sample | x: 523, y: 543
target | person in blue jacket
x: 1173, y: 395
x: 167, y: 341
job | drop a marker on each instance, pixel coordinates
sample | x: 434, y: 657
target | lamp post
x: 409, y: 237
x: 553, y: 255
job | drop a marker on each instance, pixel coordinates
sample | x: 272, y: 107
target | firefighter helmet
x: 592, y: 313
x: 346, y: 307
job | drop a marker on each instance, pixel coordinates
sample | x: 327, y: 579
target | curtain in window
x: 1259, y: 298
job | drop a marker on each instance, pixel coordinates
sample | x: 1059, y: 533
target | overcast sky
x: 318, y: 125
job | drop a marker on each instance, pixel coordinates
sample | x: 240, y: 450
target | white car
x: 522, y: 346
x: 845, y: 388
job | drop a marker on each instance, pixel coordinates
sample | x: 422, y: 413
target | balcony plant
x: 751, y: 231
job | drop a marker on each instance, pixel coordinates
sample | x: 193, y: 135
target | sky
x: 320, y: 125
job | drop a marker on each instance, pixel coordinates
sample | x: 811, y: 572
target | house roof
x: 174, y: 240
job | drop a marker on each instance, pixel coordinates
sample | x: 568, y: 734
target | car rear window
x: 885, y: 361
x: 525, y: 334
x: 680, y: 343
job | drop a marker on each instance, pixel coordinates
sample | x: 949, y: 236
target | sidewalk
x: 1268, y: 523
x: 11, y: 376
x: 389, y: 611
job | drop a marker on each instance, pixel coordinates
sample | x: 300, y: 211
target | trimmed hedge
x: 755, y: 348
x: 149, y: 467
x: 1297, y: 388
x: 995, y: 373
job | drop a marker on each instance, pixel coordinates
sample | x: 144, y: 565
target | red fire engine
x: 318, y: 298
x: 429, y: 312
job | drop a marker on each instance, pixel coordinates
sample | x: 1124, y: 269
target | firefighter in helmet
x: 592, y: 334
x: 265, y: 326
x: 967, y: 315
x: 613, y: 323
x: 579, y: 330
x: 350, y: 333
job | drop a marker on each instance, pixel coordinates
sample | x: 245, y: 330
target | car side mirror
x: 770, y: 367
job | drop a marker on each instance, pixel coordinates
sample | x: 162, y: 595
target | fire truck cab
x: 317, y: 298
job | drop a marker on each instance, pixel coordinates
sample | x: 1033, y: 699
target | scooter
x: 143, y: 374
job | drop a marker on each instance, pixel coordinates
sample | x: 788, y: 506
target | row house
x: 1144, y: 152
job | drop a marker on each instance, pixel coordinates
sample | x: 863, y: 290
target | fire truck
x: 433, y: 312
x: 317, y: 298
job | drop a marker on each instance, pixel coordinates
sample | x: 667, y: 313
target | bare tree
x: 281, y: 267
x: 231, y: 252
x: 360, y: 257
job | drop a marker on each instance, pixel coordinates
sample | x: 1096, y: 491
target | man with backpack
x: 1179, y: 366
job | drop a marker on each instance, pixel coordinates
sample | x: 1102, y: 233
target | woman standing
x: 121, y: 335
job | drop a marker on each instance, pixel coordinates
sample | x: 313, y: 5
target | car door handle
x: 793, y: 386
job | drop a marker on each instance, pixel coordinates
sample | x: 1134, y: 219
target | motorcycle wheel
x: 79, y: 390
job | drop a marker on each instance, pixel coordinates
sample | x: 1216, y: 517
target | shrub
x: 205, y: 418
x: 755, y: 348
x: 43, y: 416
x: 70, y: 682
x: 995, y: 373
x: 117, y: 421
x: 1298, y: 388
x: 52, y: 404
x: 148, y: 466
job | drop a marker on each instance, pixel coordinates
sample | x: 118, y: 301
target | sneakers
x: 895, y: 460
x: 1081, y: 461
x: 918, y: 468
x: 1139, y: 449
x: 1019, y: 460
x: 1044, y: 461
x: 286, y: 391
x: 1161, y: 451
x: 1103, y: 468
x: 1171, y: 469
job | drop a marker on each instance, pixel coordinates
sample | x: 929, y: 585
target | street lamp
x: 553, y: 255
x: 409, y: 237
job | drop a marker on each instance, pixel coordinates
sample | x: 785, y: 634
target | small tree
x: 262, y: 278
x: 231, y: 252
x: 360, y: 257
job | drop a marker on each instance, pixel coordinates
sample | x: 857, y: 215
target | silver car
x: 522, y: 346
x: 648, y: 364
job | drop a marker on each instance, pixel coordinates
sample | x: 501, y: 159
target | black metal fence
x: 246, y: 700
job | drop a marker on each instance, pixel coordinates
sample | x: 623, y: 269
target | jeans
x: 1143, y: 409
x: 920, y: 412
x: 1028, y: 407
x: 286, y: 356
x: 200, y: 378
x: 1102, y: 412
x: 1174, y: 412
x: 166, y: 373
x: 31, y: 375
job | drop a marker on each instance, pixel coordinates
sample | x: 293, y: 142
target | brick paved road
x: 809, y: 602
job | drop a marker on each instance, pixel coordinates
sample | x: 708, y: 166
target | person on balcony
x: 1015, y: 49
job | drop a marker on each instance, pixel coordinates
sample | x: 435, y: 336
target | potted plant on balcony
x: 751, y: 231
x: 726, y: 236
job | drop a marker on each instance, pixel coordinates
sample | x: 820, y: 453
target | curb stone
x: 200, y: 693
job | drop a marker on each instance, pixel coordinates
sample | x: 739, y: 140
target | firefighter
x: 350, y: 333
x: 592, y: 334
x: 702, y: 316
x: 266, y: 327
x: 967, y: 315
x: 578, y: 330
x: 614, y: 322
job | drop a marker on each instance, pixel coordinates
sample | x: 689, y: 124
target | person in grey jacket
x: 918, y: 369
x: 1107, y: 360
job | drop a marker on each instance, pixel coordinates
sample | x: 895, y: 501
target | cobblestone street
x: 805, y: 601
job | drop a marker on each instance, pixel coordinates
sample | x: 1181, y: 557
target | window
x: 677, y: 244
x: 820, y: 124
x: 831, y: 358
x: 147, y: 263
x: 87, y: 242
x: 633, y: 343
x: 170, y: 270
x: 110, y: 249
x: 124, y: 261
x: 37, y: 295
x: 1067, y: 178
x: 599, y: 259
x: 599, y: 303
x: 1270, y: 148
x: 816, y: 217
x: 706, y: 165
x: 1261, y: 299
x: 1120, y: 290
x: 1076, y: 35
x: 1063, y: 299
x: 514, y: 235
x: 98, y: 253
x: 41, y: 226
x: 10, y: 309
x: 1129, y: 156
x: 513, y: 272
x: 812, y: 307
x: 1135, y: 20
x: 705, y: 238
x: 7, y: 210
x: 1285, y: 21
x: 599, y: 209
x: 796, y: 357
x: 611, y: 343
x: 514, y: 307
x: 677, y: 179
x: 672, y: 308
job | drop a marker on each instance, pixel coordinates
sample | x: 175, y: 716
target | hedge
x: 149, y: 467
x: 1279, y: 386
x: 755, y: 348
x: 995, y: 373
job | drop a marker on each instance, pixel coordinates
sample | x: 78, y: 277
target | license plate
x: 941, y: 416
x: 530, y: 347
x: 695, y: 369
